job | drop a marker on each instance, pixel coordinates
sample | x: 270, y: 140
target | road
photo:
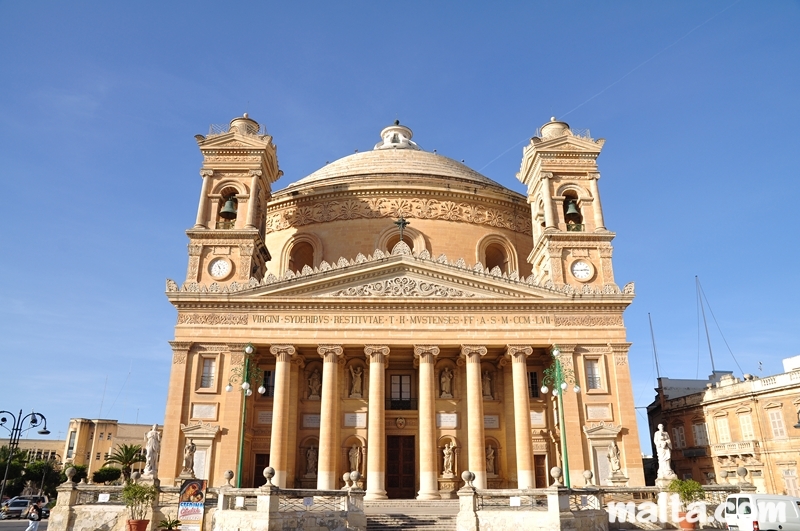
x: 19, y: 525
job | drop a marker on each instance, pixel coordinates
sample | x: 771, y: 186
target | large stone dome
x: 395, y: 157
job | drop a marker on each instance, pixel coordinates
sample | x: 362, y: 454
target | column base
x: 432, y: 495
x: 380, y: 495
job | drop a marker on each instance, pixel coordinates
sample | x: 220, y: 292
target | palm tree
x: 126, y: 455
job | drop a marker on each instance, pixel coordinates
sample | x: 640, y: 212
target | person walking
x: 34, y: 515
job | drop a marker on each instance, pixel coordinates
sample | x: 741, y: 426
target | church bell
x: 229, y: 210
x: 572, y: 210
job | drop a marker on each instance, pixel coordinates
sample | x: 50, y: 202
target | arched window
x: 301, y: 255
x: 496, y: 257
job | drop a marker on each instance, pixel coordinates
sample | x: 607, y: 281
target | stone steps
x: 405, y: 504
x: 377, y: 522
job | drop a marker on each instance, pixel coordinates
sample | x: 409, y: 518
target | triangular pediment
x: 234, y: 140
x: 569, y: 142
x: 398, y: 277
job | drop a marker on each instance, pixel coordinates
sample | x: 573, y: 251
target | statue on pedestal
x: 355, y: 458
x: 613, y: 457
x: 487, y: 385
x: 490, y: 460
x: 152, y: 449
x: 446, y: 380
x: 355, y: 376
x: 311, y: 462
x: 314, y: 384
x: 447, y: 466
x: 663, y: 446
x: 188, y: 458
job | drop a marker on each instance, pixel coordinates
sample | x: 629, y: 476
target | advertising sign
x: 191, y: 504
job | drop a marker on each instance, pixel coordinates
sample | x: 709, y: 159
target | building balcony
x: 735, y: 448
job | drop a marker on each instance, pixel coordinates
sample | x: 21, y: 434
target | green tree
x: 126, y: 455
x: 44, y: 475
x: 106, y: 474
x: 15, y: 470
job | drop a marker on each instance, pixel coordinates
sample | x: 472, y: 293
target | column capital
x: 330, y: 352
x: 619, y: 348
x: 426, y: 353
x: 518, y: 352
x: 254, y: 173
x: 467, y: 352
x: 566, y: 349
x: 283, y: 352
x: 376, y: 353
x: 206, y: 173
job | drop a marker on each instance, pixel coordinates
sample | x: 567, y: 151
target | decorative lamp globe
x: 577, y: 389
x: 556, y: 352
x: 229, y: 388
x: 246, y: 386
x: 555, y: 391
x: 545, y: 390
x: 262, y: 390
x: 249, y: 349
x: 564, y: 386
x: 248, y: 392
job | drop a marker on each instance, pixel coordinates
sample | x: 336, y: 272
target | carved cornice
x: 212, y: 319
x: 281, y: 217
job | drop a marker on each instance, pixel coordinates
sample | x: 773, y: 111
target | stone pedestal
x: 618, y: 479
x: 448, y: 487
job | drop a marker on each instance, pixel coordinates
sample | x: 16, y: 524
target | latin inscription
x: 402, y: 320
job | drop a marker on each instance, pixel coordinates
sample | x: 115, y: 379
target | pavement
x: 19, y: 525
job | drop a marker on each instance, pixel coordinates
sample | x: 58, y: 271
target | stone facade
x: 390, y: 306
x: 723, y: 423
x: 90, y: 441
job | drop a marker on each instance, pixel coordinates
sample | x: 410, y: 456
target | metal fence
x: 511, y: 500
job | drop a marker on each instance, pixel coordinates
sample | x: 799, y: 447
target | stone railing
x: 82, y: 507
x: 592, y: 508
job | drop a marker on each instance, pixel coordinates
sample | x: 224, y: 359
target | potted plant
x: 169, y: 523
x: 138, y: 499
x: 688, y: 491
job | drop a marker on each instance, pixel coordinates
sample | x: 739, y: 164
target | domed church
x: 398, y: 314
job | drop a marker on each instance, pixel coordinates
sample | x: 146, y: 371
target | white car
x: 762, y: 512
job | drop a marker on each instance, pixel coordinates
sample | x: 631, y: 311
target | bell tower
x: 240, y: 164
x: 571, y: 243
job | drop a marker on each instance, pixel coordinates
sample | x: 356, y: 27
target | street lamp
x: 243, y: 373
x: 560, y: 378
x: 47, y: 461
x: 34, y: 419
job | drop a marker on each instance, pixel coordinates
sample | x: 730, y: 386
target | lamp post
x: 34, y: 419
x: 244, y: 373
x: 559, y: 378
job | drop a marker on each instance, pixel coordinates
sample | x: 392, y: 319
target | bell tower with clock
x: 240, y: 164
x: 571, y: 243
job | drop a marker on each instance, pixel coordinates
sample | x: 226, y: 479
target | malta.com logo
x: 669, y: 509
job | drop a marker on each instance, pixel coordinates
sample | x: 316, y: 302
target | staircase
x: 432, y: 515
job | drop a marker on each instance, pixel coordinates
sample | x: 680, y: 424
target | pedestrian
x: 34, y: 515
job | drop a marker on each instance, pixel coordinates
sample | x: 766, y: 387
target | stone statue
x: 311, y: 461
x: 152, y: 449
x: 188, y: 458
x: 663, y: 446
x: 314, y: 383
x: 487, y: 385
x: 447, y: 466
x: 355, y: 458
x: 490, y: 460
x: 355, y: 376
x: 446, y: 380
x: 613, y: 457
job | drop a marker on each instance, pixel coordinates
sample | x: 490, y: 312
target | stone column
x: 328, y: 441
x: 428, y: 485
x: 252, y: 204
x: 522, y: 414
x: 278, y: 442
x: 201, y: 207
x: 475, y: 435
x: 599, y: 223
x: 376, y: 430
x: 622, y: 385
x: 547, y: 198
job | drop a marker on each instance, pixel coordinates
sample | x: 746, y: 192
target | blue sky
x: 99, y: 103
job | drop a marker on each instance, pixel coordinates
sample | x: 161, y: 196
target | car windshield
x: 19, y: 504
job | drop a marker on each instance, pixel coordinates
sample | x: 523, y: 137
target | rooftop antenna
x: 653, y: 338
x: 705, y: 324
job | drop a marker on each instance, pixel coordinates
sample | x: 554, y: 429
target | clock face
x: 219, y: 268
x: 581, y: 270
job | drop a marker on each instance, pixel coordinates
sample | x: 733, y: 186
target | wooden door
x: 400, y: 467
x: 261, y: 462
x: 540, y: 471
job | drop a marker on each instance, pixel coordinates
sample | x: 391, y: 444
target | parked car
x: 762, y: 512
x: 17, y: 508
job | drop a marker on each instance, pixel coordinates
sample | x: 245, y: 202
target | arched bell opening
x: 229, y: 208
x: 496, y: 257
x: 301, y: 255
x: 572, y: 212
